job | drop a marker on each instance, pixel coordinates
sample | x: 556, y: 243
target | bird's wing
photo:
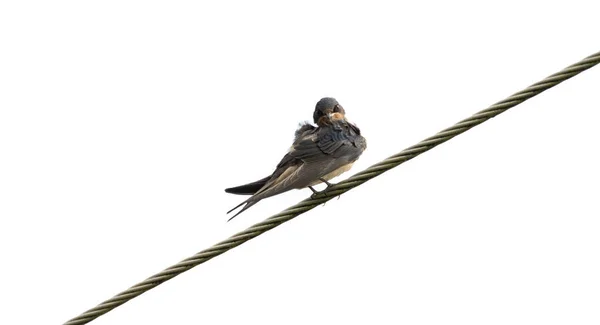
x: 317, y: 153
x: 286, y: 171
x: 342, y: 140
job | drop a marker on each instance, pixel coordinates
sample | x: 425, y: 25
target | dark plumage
x: 317, y: 154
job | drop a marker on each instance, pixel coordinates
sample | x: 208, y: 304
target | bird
x: 318, y: 154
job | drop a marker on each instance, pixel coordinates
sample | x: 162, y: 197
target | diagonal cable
x: 336, y: 190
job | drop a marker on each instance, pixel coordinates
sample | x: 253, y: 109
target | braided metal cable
x: 335, y: 190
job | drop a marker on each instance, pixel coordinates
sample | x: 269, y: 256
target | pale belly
x: 333, y: 174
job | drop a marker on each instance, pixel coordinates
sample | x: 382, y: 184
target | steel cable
x: 336, y: 190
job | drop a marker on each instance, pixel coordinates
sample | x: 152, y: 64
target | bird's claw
x: 318, y: 195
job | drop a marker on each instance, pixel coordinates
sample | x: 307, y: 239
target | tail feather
x: 248, y: 189
x: 248, y: 205
x: 237, y: 206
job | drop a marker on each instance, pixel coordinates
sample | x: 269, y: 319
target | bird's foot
x: 316, y: 194
x: 328, y: 186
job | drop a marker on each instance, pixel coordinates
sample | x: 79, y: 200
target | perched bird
x: 317, y: 155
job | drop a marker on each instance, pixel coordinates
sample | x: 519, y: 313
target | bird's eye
x: 336, y: 109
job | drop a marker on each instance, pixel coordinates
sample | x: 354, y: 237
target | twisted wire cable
x: 336, y: 190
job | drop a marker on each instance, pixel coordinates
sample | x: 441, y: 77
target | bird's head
x: 327, y: 111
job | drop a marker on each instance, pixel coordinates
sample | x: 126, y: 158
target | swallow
x: 318, y: 154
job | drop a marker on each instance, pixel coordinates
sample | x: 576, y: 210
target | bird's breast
x: 334, y: 173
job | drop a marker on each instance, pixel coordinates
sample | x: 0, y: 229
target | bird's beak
x: 336, y: 116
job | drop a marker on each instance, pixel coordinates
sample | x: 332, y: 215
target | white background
x: 123, y: 121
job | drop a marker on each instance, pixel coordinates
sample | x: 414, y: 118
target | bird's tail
x: 248, y: 189
x: 248, y: 203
